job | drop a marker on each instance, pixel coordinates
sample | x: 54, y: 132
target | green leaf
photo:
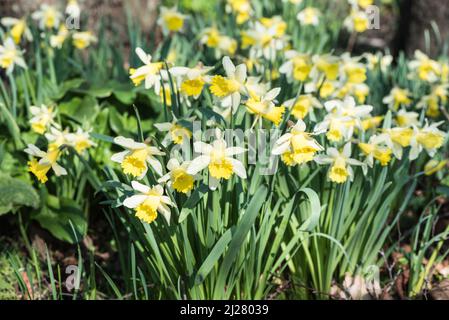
x: 81, y: 110
x: 194, y: 198
x: 125, y: 96
x: 56, y: 216
x: 15, y: 193
x: 65, y: 87
x: 238, y: 238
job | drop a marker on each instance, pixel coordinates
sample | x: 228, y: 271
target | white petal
x: 234, y: 150
x: 143, y: 56
x: 198, y: 164
x: 228, y: 66
x: 238, y: 168
x: 128, y: 143
x: 240, y: 73
x: 201, y: 147
x: 155, y: 164
x: 134, y: 201
x: 272, y: 94
x: 119, y: 157
x: 59, y: 171
x: 140, y: 187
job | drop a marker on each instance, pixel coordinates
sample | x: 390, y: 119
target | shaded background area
x: 404, y: 23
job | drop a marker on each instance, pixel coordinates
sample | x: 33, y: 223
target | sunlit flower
x: 57, y: 40
x: 43, y: 118
x: 18, y: 28
x: 399, y: 139
x: 264, y: 107
x: 340, y: 163
x: 371, y: 122
x: 73, y: 9
x: 398, y: 97
x: 425, y: 68
x: 57, y: 138
x: 361, y: 3
x: 309, y: 16
x: 171, y: 20
x: 177, y: 177
x: 48, y: 16
x: 376, y: 148
x: 47, y: 161
x: 342, y: 119
x: 192, y: 80
x: 302, y: 105
x: 218, y: 158
x: 82, y: 40
x: 136, y: 156
x: 297, y: 146
x: 357, y: 21
x: 229, y: 89
x: 242, y: 8
x: 80, y: 140
x: 10, y: 56
x: 327, y: 64
x: 407, y: 118
x: 375, y: 61
x: 297, y: 67
x: 150, y: 72
x: 433, y: 166
x: 149, y: 202
x: 176, y: 132
x: 429, y: 138
x: 353, y: 70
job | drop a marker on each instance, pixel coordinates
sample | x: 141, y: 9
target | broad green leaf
x: 15, y: 193
x: 56, y: 216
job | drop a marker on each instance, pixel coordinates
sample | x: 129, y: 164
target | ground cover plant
x: 235, y: 150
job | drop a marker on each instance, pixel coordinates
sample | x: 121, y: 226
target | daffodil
x: 425, y: 68
x: 57, y: 40
x: 407, y: 118
x: 218, y: 159
x: 342, y: 118
x: 10, y: 56
x: 361, y: 3
x: 353, y: 70
x: 433, y: 166
x: 230, y: 88
x: 192, y: 80
x: 326, y: 64
x: 48, y: 16
x: 378, y: 60
x: 176, y: 133
x: 398, y: 97
x: 171, y: 20
x: 43, y: 118
x: 302, y: 105
x: 264, y: 107
x: 47, y: 161
x: 242, y: 8
x: 263, y: 41
x: 357, y: 21
x: 178, y: 178
x: 429, y: 138
x: 57, y: 137
x: 82, y: 40
x: 73, y: 9
x: 340, y: 163
x: 399, y: 138
x: 80, y: 140
x: 275, y: 22
x: 297, y: 67
x: 377, y: 148
x: 309, y: 16
x: 150, y: 72
x: 18, y: 28
x: 372, y: 122
x: 135, y: 158
x: 149, y: 202
x: 297, y: 146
